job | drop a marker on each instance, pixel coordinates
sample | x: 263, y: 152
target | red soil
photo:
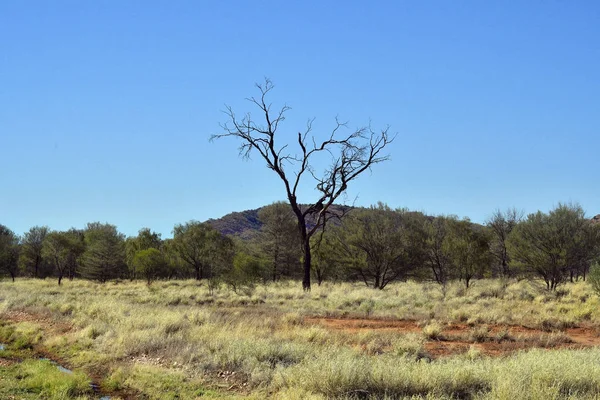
x: 457, y: 338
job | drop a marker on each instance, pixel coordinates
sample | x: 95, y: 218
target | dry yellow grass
x: 176, y: 336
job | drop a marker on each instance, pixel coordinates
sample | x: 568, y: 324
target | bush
x: 594, y: 278
x: 433, y: 330
x: 246, y: 272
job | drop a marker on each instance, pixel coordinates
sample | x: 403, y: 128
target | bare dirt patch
x: 456, y: 338
x: 357, y: 325
x: 45, y: 320
x: 6, y: 362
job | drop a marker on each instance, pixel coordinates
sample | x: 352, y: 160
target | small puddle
x: 60, y: 367
x: 2, y: 346
x: 93, y: 386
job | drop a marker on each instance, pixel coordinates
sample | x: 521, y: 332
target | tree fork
x: 351, y: 155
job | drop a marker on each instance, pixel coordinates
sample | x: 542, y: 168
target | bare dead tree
x: 351, y: 155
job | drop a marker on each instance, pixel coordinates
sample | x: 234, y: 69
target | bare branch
x: 351, y: 155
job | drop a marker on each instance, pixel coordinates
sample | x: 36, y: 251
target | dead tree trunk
x: 351, y: 155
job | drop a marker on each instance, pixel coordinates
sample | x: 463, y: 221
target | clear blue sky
x: 106, y: 107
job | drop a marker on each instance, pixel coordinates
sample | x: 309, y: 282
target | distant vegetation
x: 376, y: 246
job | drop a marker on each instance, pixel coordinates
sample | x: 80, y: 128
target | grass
x: 177, y: 339
x: 39, y: 379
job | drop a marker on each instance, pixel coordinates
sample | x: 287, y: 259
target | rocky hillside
x: 245, y: 224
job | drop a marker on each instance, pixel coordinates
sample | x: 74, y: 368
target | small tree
x: 195, y: 243
x: 9, y: 252
x: 351, y: 155
x: 61, y: 249
x: 594, y: 278
x: 175, y: 266
x: 146, y: 239
x: 104, y: 256
x: 501, y: 224
x: 437, y: 253
x: 468, y: 247
x: 379, y: 245
x: 326, y: 262
x: 150, y: 263
x: 247, y: 270
x: 278, y: 238
x: 32, y: 262
x: 553, y: 245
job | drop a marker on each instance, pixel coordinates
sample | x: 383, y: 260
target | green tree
x: 437, y: 253
x: 62, y: 249
x: 9, y: 252
x: 501, y: 224
x: 150, y: 263
x: 326, y: 259
x: 76, y: 249
x: 146, y: 239
x: 247, y: 270
x: 104, y: 256
x: 351, y: 155
x: 202, y: 248
x: 379, y: 245
x: 594, y: 278
x: 554, y: 245
x: 222, y: 253
x: 31, y: 260
x: 468, y: 248
x: 279, y: 240
x: 175, y: 266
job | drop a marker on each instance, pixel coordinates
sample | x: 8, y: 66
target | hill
x: 246, y: 224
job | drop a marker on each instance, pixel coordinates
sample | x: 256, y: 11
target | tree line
x: 375, y: 245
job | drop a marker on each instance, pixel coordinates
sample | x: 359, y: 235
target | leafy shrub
x: 594, y: 278
x: 479, y: 334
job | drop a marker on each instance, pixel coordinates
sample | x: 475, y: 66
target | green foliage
x: 326, y: 257
x: 556, y: 245
x: 9, y: 252
x: 468, y: 248
x: 279, y: 239
x: 437, y: 253
x: 594, y: 278
x: 247, y: 270
x: 62, y: 250
x: 381, y: 245
x: 104, y: 256
x: 150, y: 263
x: 500, y: 226
x: 146, y: 239
x: 208, y: 253
x: 31, y: 260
